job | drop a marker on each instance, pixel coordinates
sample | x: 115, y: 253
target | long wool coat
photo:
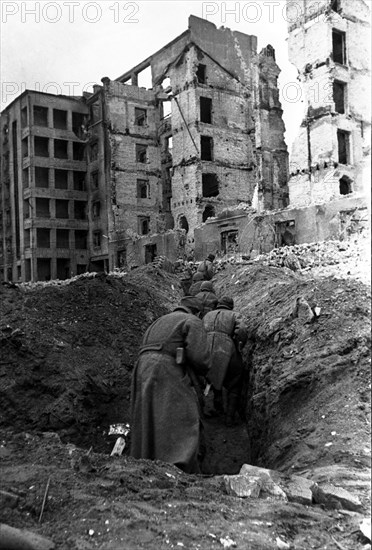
x: 225, y: 329
x: 164, y: 405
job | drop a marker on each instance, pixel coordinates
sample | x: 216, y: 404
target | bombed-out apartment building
x: 330, y: 179
x: 128, y: 172
x: 117, y: 176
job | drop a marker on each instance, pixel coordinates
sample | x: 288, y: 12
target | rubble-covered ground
x: 68, y: 349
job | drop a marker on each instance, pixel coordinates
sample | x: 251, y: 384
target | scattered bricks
x: 335, y: 497
x: 269, y: 489
x: 298, y: 489
x: 17, y: 539
x: 243, y: 486
x: 8, y: 500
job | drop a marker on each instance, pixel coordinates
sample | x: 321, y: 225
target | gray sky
x: 63, y: 46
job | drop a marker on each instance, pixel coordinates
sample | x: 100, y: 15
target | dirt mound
x: 68, y: 349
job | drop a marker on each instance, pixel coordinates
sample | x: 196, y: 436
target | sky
x: 64, y: 46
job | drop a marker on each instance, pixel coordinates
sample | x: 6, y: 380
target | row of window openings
x: 41, y: 115
x: 60, y: 149
x: 42, y: 207
x: 62, y: 239
x: 42, y: 179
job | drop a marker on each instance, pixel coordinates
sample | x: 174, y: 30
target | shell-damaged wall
x: 329, y: 45
x: 130, y: 168
x: 245, y: 130
x: 225, y: 127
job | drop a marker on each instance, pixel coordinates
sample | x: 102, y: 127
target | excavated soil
x: 68, y: 349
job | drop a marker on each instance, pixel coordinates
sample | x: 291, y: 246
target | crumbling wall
x: 124, y: 136
x: 316, y: 165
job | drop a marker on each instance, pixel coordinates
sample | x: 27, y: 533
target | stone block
x: 269, y: 488
x: 243, y: 486
x: 298, y: 489
x: 335, y: 497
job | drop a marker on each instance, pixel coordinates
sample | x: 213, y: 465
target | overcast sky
x: 63, y: 46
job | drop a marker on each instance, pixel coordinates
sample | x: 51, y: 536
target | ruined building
x: 44, y: 196
x: 208, y: 134
x: 329, y: 45
x: 329, y: 183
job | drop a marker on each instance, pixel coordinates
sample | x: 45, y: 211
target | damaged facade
x: 207, y: 135
x: 329, y: 45
x: 329, y: 181
x: 44, y: 196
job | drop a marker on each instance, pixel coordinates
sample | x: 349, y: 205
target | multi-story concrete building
x: 329, y: 43
x: 207, y: 135
x: 43, y: 193
x: 88, y: 182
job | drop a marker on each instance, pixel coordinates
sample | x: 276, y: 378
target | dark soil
x: 67, y: 354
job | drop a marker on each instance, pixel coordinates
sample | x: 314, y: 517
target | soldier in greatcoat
x: 227, y: 335
x: 166, y: 422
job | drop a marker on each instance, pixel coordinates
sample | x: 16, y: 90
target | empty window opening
x: 79, y: 181
x: 62, y: 238
x: 78, y: 150
x: 336, y: 6
x: 140, y: 116
x: 206, y: 110
x: 26, y: 208
x: 209, y: 185
x: 206, y: 148
x: 169, y: 144
x: 167, y: 108
x: 201, y: 73
x: 80, y: 210
x: 209, y: 212
x: 42, y: 208
x: 339, y: 89
x: 43, y: 269
x: 41, y: 177
x: 25, y: 176
x: 93, y: 151
x: 97, y: 238
x: 40, y: 115
x: 61, y: 179
x: 60, y: 119
x: 60, y: 149
x: 343, y: 140
x: 144, y: 78
x: 26, y: 238
x: 43, y: 238
x: 81, y: 239
x: 79, y: 125
x: 24, y: 117
x: 25, y: 148
x: 143, y: 225
x: 339, y: 47
x: 96, y: 209
x: 94, y: 180
x: 141, y: 153
x: 150, y: 253
x: 345, y: 186
x: 63, y: 268
x: 122, y: 257
x: 80, y: 269
x: 285, y: 233
x: 183, y: 223
x: 61, y: 209
x: 143, y: 189
x: 41, y: 146
x: 229, y: 241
